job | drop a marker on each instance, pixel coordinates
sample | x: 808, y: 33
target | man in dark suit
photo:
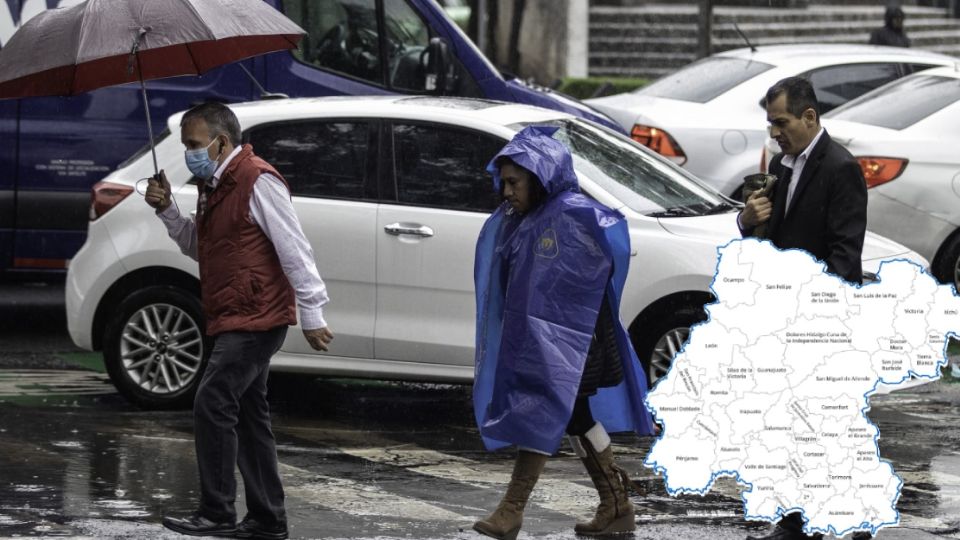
x: 819, y: 204
x: 820, y: 200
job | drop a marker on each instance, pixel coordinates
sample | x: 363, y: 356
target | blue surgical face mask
x: 199, y: 162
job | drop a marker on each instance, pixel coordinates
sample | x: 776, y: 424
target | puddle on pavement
x: 92, y: 464
x: 61, y: 462
x: 55, y: 386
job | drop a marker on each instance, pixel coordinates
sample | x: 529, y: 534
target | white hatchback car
x: 906, y: 136
x: 707, y: 117
x: 392, y: 193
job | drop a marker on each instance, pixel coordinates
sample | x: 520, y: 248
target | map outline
x: 748, y: 487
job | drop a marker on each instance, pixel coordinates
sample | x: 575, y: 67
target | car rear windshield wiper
x: 701, y: 209
x: 678, y: 211
x: 721, y: 208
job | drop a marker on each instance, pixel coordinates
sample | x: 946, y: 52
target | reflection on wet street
x: 365, y: 459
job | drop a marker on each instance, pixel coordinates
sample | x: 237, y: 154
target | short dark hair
x: 800, y: 96
x: 219, y: 118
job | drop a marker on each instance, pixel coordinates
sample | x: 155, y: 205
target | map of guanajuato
x: 774, y: 388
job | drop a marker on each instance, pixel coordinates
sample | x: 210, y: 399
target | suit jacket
x: 828, y: 214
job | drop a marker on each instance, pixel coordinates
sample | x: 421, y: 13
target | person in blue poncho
x: 552, y: 354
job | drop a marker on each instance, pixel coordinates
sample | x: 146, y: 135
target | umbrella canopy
x: 98, y: 43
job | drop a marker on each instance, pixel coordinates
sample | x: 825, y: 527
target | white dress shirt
x: 272, y: 210
x: 797, y: 163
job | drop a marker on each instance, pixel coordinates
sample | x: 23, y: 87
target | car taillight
x: 106, y: 195
x: 660, y: 142
x: 880, y: 170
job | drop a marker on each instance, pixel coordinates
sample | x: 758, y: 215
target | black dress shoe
x: 197, y: 525
x: 252, y: 528
x: 779, y: 533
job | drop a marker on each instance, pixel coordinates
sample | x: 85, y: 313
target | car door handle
x: 397, y: 229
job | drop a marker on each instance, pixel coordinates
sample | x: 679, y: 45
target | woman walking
x: 552, y: 354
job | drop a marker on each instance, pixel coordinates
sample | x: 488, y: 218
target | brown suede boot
x: 504, y: 523
x: 615, y: 515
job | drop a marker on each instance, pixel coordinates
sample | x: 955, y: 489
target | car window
x: 633, y: 174
x: 318, y: 158
x: 407, y: 38
x: 913, y: 68
x: 705, y: 79
x: 459, y: 11
x: 341, y: 36
x: 444, y: 167
x: 146, y: 148
x: 836, y: 85
x: 902, y: 103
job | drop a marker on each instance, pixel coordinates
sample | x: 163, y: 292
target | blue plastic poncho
x: 540, y: 279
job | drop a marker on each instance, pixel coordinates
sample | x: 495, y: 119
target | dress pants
x: 792, y: 522
x: 232, y: 426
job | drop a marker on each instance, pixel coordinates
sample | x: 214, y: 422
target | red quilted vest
x: 242, y: 284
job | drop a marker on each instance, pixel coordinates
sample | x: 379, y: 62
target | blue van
x: 52, y: 150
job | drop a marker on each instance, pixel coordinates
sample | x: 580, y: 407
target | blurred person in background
x: 892, y: 33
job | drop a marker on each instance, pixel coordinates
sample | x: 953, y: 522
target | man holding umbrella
x: 254, y: 261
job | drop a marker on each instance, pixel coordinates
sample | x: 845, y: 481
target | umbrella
x: 98, y: 43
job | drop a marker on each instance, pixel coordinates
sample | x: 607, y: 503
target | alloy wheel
x: 161, y: 348
x: 663, y: 352
x: 956, y: 274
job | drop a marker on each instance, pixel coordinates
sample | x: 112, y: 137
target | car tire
x: 657, y: 343
x: 947, y: 268
x: 155, y: 349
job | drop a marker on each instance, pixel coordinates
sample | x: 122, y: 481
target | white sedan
x: 392, y: 193
x: 906, y: 136
x: 707, y: 116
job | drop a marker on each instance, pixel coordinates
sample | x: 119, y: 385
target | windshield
x: 705, y: 79
x: 902, y: 103
x: 632, y: 174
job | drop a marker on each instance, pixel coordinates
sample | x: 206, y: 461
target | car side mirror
x: 439, y: 70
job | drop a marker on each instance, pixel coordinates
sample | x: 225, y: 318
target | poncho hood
x: 535, y: 149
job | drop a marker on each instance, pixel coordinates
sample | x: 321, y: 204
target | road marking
x: 341, y: 494
x: 46, y: 382
x: 561, y: 496
x: 356, y: 499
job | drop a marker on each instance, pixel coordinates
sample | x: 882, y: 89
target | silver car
x: 706, y: 116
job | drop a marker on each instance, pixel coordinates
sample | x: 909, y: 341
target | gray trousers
x: 232, y: 426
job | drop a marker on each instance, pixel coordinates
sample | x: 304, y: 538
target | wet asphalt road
x: 360, y: 459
